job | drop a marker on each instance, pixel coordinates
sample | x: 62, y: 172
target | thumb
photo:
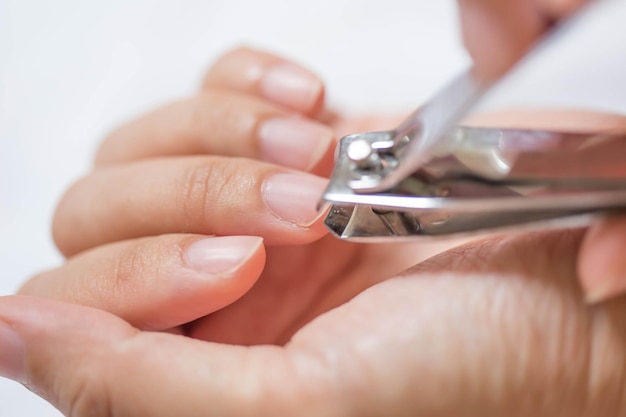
x: 90, y: 363
x: 497, y: 33
x: 601, y: 262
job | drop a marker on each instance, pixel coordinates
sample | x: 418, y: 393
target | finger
x: 202, y: 195
x: 601, y: 263
x: 157, y: 283
x: 497, y: 33
x: 89, y: 363
x: 268, y: 76
x: 220, y: 123
x: 558, y: 9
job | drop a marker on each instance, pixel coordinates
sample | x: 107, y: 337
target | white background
x: 70, y: 70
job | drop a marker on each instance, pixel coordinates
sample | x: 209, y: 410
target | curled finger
x: 157, y: 283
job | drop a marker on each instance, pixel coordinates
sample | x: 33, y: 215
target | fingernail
x: 609, y: 288
x: 12, y: 354
x: 594, y: 297
x: 292, y: 86
x: 221, y: 255
x: 294, y: 143
x: 601, y: 260
x: 293, y: 197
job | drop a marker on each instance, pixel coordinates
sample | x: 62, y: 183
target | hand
x: 497, y: 327
x: 497, y: 33
x: 136, y: 229
x: 138, y: 316
x: 147, y: 282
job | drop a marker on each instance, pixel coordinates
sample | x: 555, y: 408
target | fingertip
x: 63, y: 222
x: 601, y: 261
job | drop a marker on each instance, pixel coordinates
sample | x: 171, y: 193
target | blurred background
x: 72, y: 70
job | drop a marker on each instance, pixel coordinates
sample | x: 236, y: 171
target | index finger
x: 90, y: 363
x: 497, y: 33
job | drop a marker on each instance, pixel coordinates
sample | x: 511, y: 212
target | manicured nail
x: 601, y: 260
x: 12, y: 352
x: 606, y: 289
x: 595, y: 296
x: 293, y: 197
x: 291, y: 86
x: 221, y: 255
x: 293, y: 142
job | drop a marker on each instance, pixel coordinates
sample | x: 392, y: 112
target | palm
x: 302, y: 282
x: 493, y: 324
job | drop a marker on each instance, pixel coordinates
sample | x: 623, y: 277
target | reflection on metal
x: 484, y: 179
x: 430, y: 177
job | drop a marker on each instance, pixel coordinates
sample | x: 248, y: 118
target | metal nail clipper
x: 432, y: 177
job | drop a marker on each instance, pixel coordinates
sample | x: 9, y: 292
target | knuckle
x: 230, y: 118
x: 33, y: 284
x: 194, y: 192
x: 207, y: 120
x: 212, y: 186
x: 195, y: 116
x: 108, y: 150
x: 64, y: 219
x: 125, y: 272
x: 229, y: 59
x: 224, y: 123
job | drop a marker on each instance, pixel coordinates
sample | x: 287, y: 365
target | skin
x: 497, y: 33
x: 495, y: 327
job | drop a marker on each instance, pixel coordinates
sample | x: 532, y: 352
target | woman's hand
x: 155, y: 278
x: 497, y: 327
x: 137, y: 229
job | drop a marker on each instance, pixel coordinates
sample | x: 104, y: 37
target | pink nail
x: 291, y: 86
x: 293, y: 197
x: 610, y: 287
x: 601, y: 261
x: 221, y: 255
x: 12, y: 354
x: 294, y: 142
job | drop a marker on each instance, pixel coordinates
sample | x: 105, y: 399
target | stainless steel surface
x: 413, y: 142
x: 484, y: 179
